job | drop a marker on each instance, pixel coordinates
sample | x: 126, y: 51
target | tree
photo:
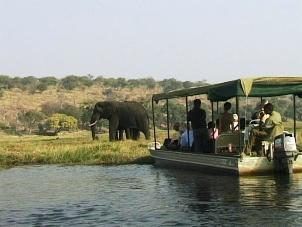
x: 41, y: 87
x: 70, y: 82
x: 86, y: 113
x: 170, y: 84
x: 49, y: 81
x: 31, y: 119
x: 6, y: 82
x: 60, y: 122
x: 188, y: 84
x: 149, y: 82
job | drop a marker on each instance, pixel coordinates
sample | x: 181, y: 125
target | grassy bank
x: 70, y: 148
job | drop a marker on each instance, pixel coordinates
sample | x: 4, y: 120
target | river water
x: 144, y: 195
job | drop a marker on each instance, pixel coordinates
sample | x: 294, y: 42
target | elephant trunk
x: 94, y: 119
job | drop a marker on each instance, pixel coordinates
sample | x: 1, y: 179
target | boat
x: 228, y: 157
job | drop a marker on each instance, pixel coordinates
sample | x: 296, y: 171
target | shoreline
x: 76, y: 148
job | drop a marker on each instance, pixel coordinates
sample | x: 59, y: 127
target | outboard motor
x: 284, y: 152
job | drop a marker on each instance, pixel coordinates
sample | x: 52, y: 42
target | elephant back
x: 126, y: 116
x: 140, y: 114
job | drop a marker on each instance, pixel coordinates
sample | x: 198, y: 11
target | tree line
x: 34, y: 84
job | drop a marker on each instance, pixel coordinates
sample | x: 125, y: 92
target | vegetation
x: 31, y: 106
x: 62, y: 122
x: 70, y: 148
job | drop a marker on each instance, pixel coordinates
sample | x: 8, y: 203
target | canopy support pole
x: 212, y: 107
x: 294, y: 104
x: 188, y: 128
x: 239, y: 127
x: 237, y: 111
x: 153, y: 119
x: 168, y: 118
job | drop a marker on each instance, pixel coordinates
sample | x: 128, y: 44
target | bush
x: 49, y: 81
x: 61, y: 122
x: 170, y: 84
x: 72, y: 82
x: 30, y: 119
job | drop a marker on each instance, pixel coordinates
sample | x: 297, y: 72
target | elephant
x: 131, y: 133
x: 122, y: 116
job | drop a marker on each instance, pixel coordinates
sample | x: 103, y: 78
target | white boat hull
x: 233, y: 164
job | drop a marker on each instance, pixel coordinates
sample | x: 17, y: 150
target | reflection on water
x: 137, y: 195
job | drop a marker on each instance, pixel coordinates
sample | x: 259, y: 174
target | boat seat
x: 226, y: 140
x: 154, y: 145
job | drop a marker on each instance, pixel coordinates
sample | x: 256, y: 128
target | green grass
x: 70, y: 149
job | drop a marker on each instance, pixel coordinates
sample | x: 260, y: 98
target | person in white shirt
x: 184, y: 138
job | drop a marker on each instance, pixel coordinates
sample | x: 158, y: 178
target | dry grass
x: 16, y: 100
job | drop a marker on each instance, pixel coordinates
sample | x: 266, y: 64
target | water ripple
x: 138, y: 195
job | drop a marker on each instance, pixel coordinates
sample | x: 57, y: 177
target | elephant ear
x: 99, y: 107
x: 109, y: 108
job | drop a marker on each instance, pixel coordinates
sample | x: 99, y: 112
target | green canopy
x: 256, y: 87
x: 252, y: 87
x: 181, y: 93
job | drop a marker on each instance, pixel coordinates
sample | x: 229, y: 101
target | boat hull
x: 217, y: 163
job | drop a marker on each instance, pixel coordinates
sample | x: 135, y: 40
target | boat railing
x: 230, y: 142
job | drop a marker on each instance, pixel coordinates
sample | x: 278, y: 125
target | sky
x: 212, y: 40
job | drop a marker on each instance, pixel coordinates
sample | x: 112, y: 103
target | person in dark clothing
x: 197, y: 117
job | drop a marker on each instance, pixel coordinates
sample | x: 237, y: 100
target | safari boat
x: 280, y: 155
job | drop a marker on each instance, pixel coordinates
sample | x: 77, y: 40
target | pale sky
x: 212, y: 40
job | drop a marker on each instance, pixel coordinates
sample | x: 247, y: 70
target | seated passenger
x: 184, y: 139
x: 213, y: 131
x: 272, y: 127
x: 213, y: 134
x: 226, y: 119
x: 235, y: 123
x: 259, y: 112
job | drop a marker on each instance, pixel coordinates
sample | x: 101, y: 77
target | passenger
x: 226, y: 119
x: 213, y: 134
x: 182, y: 128
x: 272, y: 127
x: 197, y: 117
x: 177, y: 127
x: 175, y: 140
x: 235, y: 123
x: 212, y: 130
x: 259, y: 112
x: 184, y: 139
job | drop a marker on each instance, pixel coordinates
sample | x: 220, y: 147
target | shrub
x: 30, y: 119
x: 61, y: 122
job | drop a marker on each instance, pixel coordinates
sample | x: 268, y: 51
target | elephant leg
x: 131, y: 133
x: 113, y: 126
x: 121, y: 134
x: 147, y: 134
x: 127, y: 132
x: 135, y: 133
x: 93, y: 129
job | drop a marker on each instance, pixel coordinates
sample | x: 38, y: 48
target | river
x: 144, y: 195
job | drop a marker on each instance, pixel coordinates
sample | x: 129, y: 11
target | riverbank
x: 75, y: 148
